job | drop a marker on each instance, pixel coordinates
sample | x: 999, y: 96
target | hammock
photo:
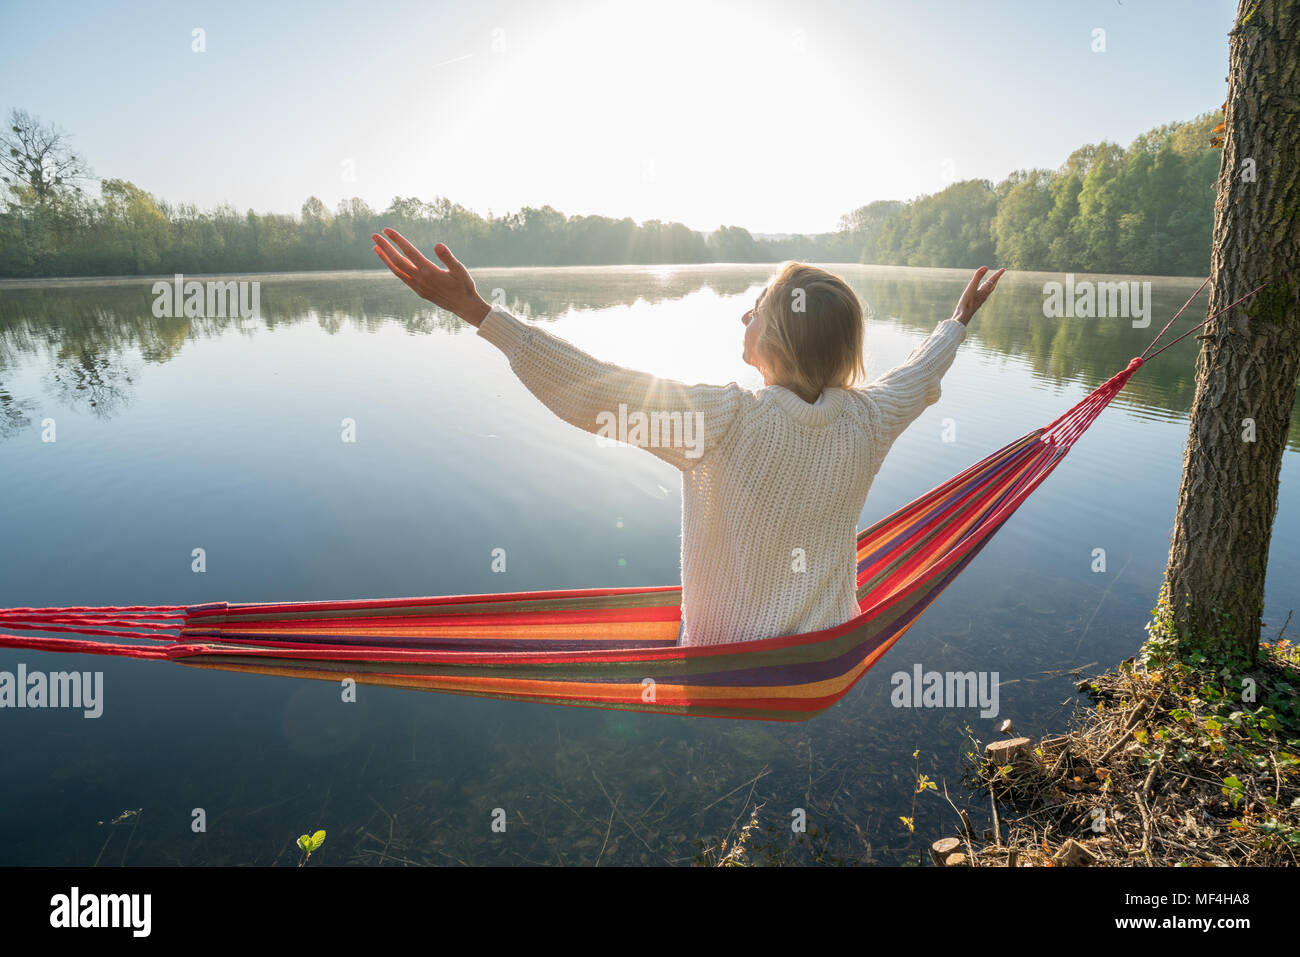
x: 613, y: 648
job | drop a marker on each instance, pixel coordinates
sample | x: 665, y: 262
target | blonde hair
x: 812, y: 330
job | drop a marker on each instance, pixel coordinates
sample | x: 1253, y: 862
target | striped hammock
x: 612, y: 648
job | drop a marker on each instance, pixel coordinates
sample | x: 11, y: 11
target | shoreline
x: 1180, y: 760
x: 35, y: 282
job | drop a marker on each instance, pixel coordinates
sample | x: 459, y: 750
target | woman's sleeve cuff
x: 503, y: 330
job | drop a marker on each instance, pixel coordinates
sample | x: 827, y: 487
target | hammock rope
x: 613, y: 648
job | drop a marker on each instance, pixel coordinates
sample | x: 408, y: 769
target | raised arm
x: 903, y: 393
x: 679, y: 423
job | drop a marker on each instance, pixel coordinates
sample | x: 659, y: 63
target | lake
x: 175, y: 434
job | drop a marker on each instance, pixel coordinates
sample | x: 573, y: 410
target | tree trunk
x: 1250, y: 357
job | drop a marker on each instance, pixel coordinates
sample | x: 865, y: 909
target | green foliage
x: 309, y: 844
x: 1208, y: 639
x: 951, y: 228
x: 1253, y: 737
x: 1147, y: 209
x: 127, y: 231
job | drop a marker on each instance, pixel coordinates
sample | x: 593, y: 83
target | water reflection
x: 87, y: 336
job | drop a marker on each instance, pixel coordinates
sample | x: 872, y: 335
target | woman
x: 773, y: 481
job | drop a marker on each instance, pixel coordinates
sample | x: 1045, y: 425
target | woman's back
x: 772, y: 485
x: 769, y: 519
x: 773, y: 481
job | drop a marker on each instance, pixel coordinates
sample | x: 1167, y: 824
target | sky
x: 775, y: 116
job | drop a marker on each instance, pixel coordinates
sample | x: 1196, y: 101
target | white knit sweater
x: 772, y: 487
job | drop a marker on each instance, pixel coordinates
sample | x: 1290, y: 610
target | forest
x: 1145, y: 209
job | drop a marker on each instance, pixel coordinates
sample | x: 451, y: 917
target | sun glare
x: 678, y: 115
x: 693, y: 339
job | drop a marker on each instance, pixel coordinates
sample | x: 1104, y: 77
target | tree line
x: 1145, y: 209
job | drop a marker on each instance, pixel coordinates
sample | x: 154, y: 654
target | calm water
x: 177, y: 434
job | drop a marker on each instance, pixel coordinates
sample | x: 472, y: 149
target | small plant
x: 308, y: 843
x: 923, y: 784
x: 736, y: 856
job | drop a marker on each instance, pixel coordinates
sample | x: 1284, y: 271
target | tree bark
x: 1249, y: 361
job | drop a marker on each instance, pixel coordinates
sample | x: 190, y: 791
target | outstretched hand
x: 975, y: 294
x: 451, y: 288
